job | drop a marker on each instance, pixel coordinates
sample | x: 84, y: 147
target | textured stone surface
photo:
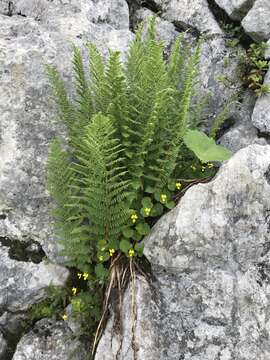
x: 242, y: 133
x: 49, y: 340
x: 261, y: 113
x: 27, y: 126
x: 23, y: 283
x: 236, y: 9
x: 210, y: 295
x: 257, y: 22
x: 3, y: 347
x: 189, y: 14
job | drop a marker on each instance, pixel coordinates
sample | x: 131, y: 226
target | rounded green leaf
x: 125, y: 245
x: 143, y: 228
x: 139, y: 249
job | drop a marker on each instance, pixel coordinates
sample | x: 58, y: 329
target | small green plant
x: 253, y: 67
x: 133, y: 147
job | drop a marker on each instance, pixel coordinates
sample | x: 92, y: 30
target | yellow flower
x: 193, y: 167
x: 85, y: 276
x: 131, y: 252
x: 163, y: 198
x: 111, y: 251
x: 178, y: 185
x: 65, y: 317
x: 134, y: 217
x: 147, y: 211
x: 74, y: 291
x: 100, y: 258
x: 203, y: 168
x: 79, y: 275
x: 210, y: 165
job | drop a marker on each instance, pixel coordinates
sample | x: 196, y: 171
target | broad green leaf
x: 147, y: 202
x: 170, y: 204
x: 204, y: 147
x: 113, y: 244
x: 125, y: 245
x: 157, y: 210
x: 143, y: 228
x: 128, y: 232
x: 139, y: 249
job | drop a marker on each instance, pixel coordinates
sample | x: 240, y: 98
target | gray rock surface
x: 3, y: 347
x: 24, y: 283
x: 209, y: 297
x: 257, y: 22
x: 242, y: 133
x: 236, y: 9
x: 49, y: 340
x: 27, y: 113
x: 186, y: 14
x: 261, y: 113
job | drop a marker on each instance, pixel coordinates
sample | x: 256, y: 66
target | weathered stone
x: 261, y: 113
x: 166, y: 31
x: 242, y: 133
x: 257, y: 22
x: 236, y: 9
x: 186, y: 14
x: 209, y: 297
x: 3, y: 347
x: 23, y: 283
x: 49, y: 340
x: 27, y: 112
x: 218, y: 75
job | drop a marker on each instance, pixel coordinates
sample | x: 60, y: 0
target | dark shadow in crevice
x: 28, y: 251
x: 224, y: 20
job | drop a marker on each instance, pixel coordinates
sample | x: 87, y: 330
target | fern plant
x: 131, y: 138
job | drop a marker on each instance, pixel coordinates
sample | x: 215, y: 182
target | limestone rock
x: 261, y: 113
x: 24, y: 283
x: 27, y: 111
x: 210, y: 288
x: 186, y: 14
x: 242, y: 133
x: 49, y: 340
x: 3, y: 347
x: 257, y: 22
x: 236, y: 9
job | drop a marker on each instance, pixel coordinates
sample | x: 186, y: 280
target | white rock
x: 257, y: 22
x: 210, y: 284
x: 49, y: 340
x: 24, y: 283
x: 189, y: 14
x: 236, y: 9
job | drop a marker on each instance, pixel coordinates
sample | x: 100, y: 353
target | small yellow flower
x: 85, y: 276
x: 131, y: 252
x: 193, y: 167
x: 74, y: 291
x: 100, y: 258
x: 203, y: 168
x: 163, y: 198
x: 147, y: 211
x: 178, y: 185
x: 134, y: 217
x: 210, y: 165
x: 111, y: 251
x: 79, y: 275
x: 65, y: 317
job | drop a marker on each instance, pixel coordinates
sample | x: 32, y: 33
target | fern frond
x: 97, y: 79
x: 84, y: 96
x: 66, y: 110
x: 106, y: 189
